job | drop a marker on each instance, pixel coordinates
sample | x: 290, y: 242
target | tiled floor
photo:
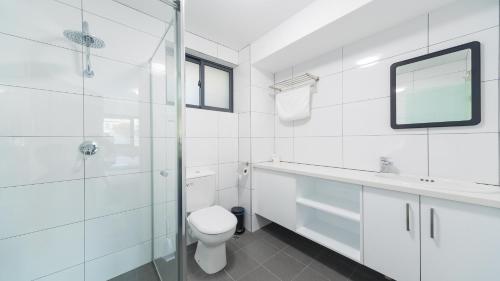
x: 274, y: 253
x: 143, y: 273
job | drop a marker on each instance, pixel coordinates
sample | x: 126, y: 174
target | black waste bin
x: 239, y: 212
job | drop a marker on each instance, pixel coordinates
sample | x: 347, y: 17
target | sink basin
x: 444, y: 184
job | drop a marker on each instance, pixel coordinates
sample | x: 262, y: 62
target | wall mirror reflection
x: 439, y: 89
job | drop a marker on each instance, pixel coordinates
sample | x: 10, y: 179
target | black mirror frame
x: 475, y: 48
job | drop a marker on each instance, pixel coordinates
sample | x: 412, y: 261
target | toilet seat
x: 212, y: 220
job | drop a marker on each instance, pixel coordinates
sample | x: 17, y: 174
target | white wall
x: 350, y: 127
x: 57, y: 210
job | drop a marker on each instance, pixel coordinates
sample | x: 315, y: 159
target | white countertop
x: 472, y: 193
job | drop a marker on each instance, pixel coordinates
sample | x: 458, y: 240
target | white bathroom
x: 265, y: 140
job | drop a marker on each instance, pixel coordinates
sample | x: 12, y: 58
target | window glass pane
x: 192, y: 88
x: 216, y: 87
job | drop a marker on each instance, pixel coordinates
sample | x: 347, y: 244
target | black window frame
x: 201, y: 83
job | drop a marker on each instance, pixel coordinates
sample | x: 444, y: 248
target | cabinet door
x: 276, y: 197
x: 392, y: 233
x: 460, y: 242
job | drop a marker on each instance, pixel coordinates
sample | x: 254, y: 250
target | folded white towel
x: 294, y: 104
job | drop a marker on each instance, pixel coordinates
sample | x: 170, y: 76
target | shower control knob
x: 88, y: 148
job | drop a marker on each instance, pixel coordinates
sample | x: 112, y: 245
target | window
x: 208, y: 85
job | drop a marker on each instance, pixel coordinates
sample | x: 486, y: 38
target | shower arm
x: 88, y: 72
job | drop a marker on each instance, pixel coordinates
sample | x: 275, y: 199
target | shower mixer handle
x: 88, y: 148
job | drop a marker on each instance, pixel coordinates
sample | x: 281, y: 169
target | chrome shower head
x: 84, y: 38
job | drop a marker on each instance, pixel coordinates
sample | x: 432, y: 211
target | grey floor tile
x: 284, y: 266
x: 201, y: 275
x: 260, y: 250
x: 304, y: 251
x: 259, y: 274
x: 147, y: 272
x: 241, y: 241
x: 239, y: 263
x: 309, y: 274
x: 363, y: 273
x: 333, y: 266
x: 167, y: 269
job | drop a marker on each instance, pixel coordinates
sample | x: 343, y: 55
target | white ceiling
x: 237, y: 23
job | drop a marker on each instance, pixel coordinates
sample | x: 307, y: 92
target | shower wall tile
x: 228, y: 150
x: 123, y: 42
x: 31, y: 64
x: 52, y: 17
x: 30, y: 160
x: 52, y: 204
x: 329, y: 91
x: 76, y: 273
x: 164, y: 154
x: 117, y: 118
x: 109, y: 234
x: 30, y: 112
x: 262, y: 125
x: 121, y: 14
x: 114, y: 194
x: 133, y: 80
x: 41, y: 253
x: 201, y: 152
x: 201, y: 123
x: 117, y: 263
x: 228, y: 125
x: 228, y: 176
x: 118, y: 156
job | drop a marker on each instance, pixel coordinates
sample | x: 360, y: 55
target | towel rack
x: 294, y: 82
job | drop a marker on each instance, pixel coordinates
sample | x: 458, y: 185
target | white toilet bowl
x: 212, y: 226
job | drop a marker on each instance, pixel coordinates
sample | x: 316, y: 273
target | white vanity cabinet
x: 276, y: 197
x: 392, y: 233
x: 460, y: 242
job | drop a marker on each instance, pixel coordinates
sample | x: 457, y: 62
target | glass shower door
x: 90, y: 114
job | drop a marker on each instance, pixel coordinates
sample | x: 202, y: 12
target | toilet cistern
x: 386, y: 165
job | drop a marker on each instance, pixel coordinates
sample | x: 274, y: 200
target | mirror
x: 439, y: 89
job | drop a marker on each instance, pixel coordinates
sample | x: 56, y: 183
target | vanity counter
x: 479, y: 194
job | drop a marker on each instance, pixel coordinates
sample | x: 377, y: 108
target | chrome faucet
x: 386, y: 165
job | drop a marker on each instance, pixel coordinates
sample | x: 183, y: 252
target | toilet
x: 210, y: 224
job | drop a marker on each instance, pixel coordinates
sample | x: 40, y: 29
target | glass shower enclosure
x: 91, y: 166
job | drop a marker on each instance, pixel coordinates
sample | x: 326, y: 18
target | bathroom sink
x: 443, y: 184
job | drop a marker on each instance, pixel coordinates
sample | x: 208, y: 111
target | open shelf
x: 333, y: 237
x: 341, y: 212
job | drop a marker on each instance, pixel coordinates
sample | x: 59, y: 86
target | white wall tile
x: 244, y: 125
x: 133, y: 85
x: 323, y: 65
x: 323, y: 122
x: 228, y: 150
x: 489, y: 50
x: 226, y: 54
x: 283, y: 128
x: 375, y: 79
x: 476, y: 161
x: 262, y: 100
x: 30, y: 112
x: 284, y: 149
x: 228, y: 125
x: 117, y: 157
x: 262, y: 149
x: 76, y: 273
x: 490, y: 114
x: 201, y: 123
x: 164, y: 154
x: 244, y: 195
x: 228, y: 176
x: 262, y: 125
x: 241, y: 98
x: 371, y: 117
x: 109, y: 234
x: 329, y: 91
x: 261, y: 78
x: 408, y: 152
x: 244, y: 149
x: 118, y: 118
x: 325, y: 151
x: 113, y: 194
x: 109, y: 266
x: 228, y: 197
x: 39, y: 160
x: 461, y: 18
x: 164, y: 121
x: 201, y: 151
x: 403, y: 38
x: 52, y: 204
x: 200, y: 44
x: 52, y: 18
x: 36, y: 65
x: 28, y: 257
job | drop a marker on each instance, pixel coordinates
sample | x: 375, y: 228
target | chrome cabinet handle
x: 407, y: 216
x: 432, y: 223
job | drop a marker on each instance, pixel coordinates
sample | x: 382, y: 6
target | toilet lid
x: 212, y: 220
